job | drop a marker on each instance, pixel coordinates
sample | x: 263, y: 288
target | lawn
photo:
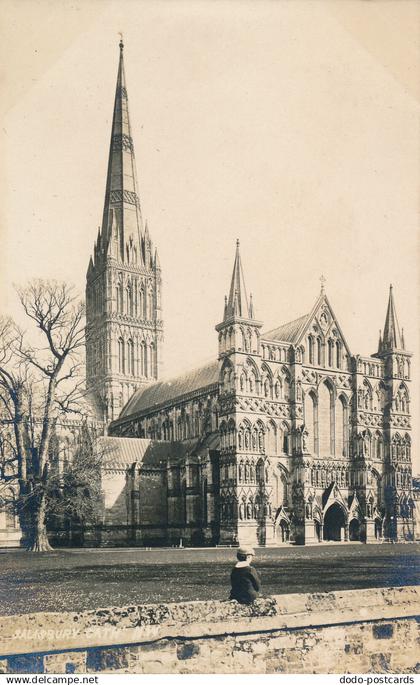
x: 73, y: 580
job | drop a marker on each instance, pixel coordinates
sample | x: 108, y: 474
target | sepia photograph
x: 209, y: 339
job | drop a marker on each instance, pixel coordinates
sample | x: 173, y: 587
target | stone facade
x: 287, y: 436
x: 353, y: 631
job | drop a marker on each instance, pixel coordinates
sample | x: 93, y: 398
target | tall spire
x: 122, y: 216
x: 238, y: 304
x: 391, y: 339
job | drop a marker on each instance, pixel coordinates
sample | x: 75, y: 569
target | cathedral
x: 285, y: 437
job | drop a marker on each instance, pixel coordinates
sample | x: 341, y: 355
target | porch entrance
x: 354, y: 530
x: 334, y: 522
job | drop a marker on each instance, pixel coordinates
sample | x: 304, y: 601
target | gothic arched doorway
x: 284, y: 531
x: 354, y: 530
x: 334, y: 522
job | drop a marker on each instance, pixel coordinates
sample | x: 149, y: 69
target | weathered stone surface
x: 326, y: 633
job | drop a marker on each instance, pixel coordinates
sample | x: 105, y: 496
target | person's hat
x: 246, y: 551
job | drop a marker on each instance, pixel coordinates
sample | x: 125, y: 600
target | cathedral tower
x: 397, y: 428
x: 124, y: 329
x: 239, y: 361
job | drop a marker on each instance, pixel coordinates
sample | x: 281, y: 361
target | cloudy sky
x: 290, y: 125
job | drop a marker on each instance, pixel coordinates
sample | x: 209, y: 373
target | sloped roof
x: 122, y: 452
x: 288, y: 332
x: 165, y: 391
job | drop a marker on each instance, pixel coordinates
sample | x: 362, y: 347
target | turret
x: 239, y: 330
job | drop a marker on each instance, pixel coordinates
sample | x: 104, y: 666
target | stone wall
x: 353, y: 631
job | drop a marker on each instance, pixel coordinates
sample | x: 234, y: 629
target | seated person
x: 244, y: 579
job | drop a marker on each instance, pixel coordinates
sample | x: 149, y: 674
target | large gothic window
x: 342, y: 430
x: 121, y: 356
x: 325, y: 420
x: 311, y: 413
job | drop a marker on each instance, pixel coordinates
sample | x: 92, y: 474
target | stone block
x: 107, y: 659
x: 383, y: 631
x: 67, y: 662
x: 187, y: 650
x: 380, y: 662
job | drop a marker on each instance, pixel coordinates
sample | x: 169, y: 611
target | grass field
x: 74, y: 580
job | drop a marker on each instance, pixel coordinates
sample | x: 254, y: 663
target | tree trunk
x: 39, y: 541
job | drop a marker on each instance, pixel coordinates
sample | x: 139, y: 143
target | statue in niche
x: 303, y: 433
x: 252, y: 473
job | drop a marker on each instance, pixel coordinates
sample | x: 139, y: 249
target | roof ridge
x: 165, y: 390
x: 299, y: 320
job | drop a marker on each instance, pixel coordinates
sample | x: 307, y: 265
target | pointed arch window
x: 342, y: 427
x: 330, y: 353
x: 152, y: 360
x: 318, y: 351
x: 130, y: 358
x: 311, y: 349
x: 120, y: 298
x: 338, y: 354
x: 144, y: 360
x: 141, y: 303
x: 150, y: 304
x: 286, y: 440
x: 121, y: 356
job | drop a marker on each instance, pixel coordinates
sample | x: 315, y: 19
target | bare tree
x: 40, y: 381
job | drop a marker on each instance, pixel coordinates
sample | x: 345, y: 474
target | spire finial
x: 323, y: 282
x: 237, y: 242
x: 391, y: 337
x: 121, y: 44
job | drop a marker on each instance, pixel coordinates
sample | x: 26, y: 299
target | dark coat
x: 245, y: 583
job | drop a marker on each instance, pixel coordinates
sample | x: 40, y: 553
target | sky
x: 293, y: 126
